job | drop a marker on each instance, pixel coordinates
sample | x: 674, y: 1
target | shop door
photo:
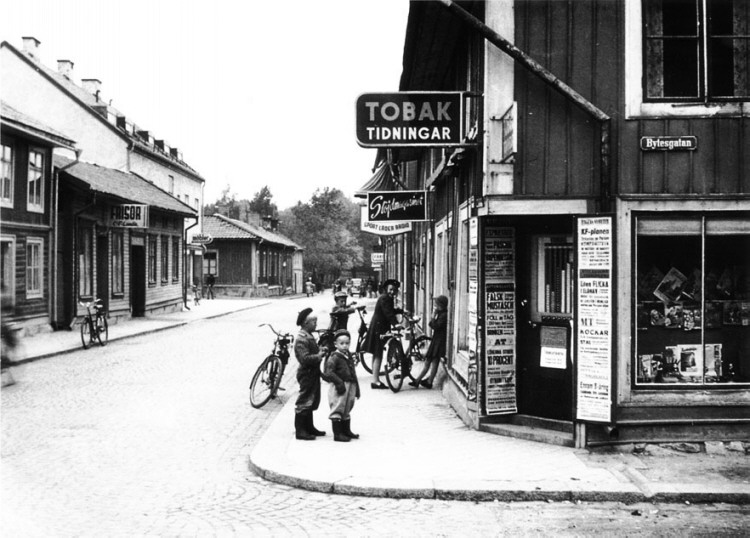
x: 102, y: 272
x: 545, y: 370
x: 138, y: 280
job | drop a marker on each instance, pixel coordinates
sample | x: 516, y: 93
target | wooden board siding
x: 235, y: 261
x: 582, y: 42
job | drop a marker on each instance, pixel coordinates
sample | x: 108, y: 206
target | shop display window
x: 692, y: 301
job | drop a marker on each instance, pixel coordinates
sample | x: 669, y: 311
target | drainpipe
x: 56, y: 232
x: 184, y: 262
x: 539, y: 70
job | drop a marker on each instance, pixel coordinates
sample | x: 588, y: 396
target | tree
x: 327, y: 230
x: 227, y: 205
x: 262, y: 204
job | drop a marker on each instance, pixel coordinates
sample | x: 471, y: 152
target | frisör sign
x: 410, y: 119
x: 128, y: 216
x: 396, y: 206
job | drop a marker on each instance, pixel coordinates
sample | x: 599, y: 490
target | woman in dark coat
x: 308, y: 376
x: 383, y: 317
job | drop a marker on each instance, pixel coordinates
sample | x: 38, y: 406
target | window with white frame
x: 211, y: 263
x: 34, y: 267
x: 35, y: 182
x: 687, y: 57
x: 462, y: 287
x: 6, y: 176
x: 175, y: 258
x: 696, y: 50
x: 152, y: 259
x: 164, y: 259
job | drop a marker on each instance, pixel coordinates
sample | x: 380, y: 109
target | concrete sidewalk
x: 412, y: 445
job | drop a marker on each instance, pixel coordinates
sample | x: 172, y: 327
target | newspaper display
x: 594, y: 319
x: 500, y: 321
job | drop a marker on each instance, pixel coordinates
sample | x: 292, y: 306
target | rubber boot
x: 300, y: 428
x: 311, y: 427
x: 338, y: 434
x: 346, y: 427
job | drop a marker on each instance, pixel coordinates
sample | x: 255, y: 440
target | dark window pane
x: 680, y: 17
x: 720, y: 17
x: 681, y: 68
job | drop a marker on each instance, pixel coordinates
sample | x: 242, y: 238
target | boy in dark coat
x: 343, y: 388
x: 308, y: 376
x: 383, y: 317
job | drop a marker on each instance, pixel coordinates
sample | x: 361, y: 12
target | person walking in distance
x: 308, y: 376
x: 383, y: 317
x: 439, y: 326
x: 210, y: 281
x: 343, y: 387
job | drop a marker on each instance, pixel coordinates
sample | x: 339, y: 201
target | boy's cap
x: 392, y: 282
x: 302, y: 316
x: 340, y: 295
x: 442, y: 301
x: 341, y: 332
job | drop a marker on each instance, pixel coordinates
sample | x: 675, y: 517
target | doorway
x: 545, y: 254
x: 138, y: 280
x: 102, y: 272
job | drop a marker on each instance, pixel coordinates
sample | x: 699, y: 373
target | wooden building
x: 595, y: 223
x: 28, y: 212
x: 250, y: 260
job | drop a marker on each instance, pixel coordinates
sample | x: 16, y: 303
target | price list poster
x: 500, y: 320
x: 594, y: 319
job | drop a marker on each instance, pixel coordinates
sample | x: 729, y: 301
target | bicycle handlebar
x: 278, y: 334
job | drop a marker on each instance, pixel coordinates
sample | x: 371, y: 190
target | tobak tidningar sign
x: 410, y: 119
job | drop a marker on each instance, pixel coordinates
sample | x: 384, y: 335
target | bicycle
x: 399, y: 364
x: 94, y: 326
x: 266, y: 381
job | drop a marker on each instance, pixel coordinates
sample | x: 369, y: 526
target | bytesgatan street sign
x: 410, y: 119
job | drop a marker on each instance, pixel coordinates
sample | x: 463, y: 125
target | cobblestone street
x: 151, y: 436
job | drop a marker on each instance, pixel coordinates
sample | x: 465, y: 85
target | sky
x: 252, y: 93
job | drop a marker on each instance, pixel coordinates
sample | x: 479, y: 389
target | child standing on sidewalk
x: 439, y: 325
x: 343, y: 387
x: 341, y: 311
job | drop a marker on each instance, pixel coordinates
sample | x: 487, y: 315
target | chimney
x: 31, y: 46
x: 92, y: 85
x: 65, y: 68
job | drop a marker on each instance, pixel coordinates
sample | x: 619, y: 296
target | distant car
x: 356, y: 287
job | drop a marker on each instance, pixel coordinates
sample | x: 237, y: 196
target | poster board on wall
x: 500, y: 321
x: 594, y: 326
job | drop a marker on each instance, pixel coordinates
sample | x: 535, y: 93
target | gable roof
x: 221, y: 227
x: 92, y: 104
x: 125, y: 186
x: 20, y: 122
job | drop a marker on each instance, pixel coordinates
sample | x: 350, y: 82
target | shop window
x: 164, y: 240
x: 6, y: 176
x: 118, y: 261
x: 35, y: 182
x: 696, y: 51
x: 211, y: 263
x: 175, y: 259
x: 692, y: 297
x: 8, y: 269
x: 85, y: 262
x: 152, y: 259
x: 462, y: 289
x: 553, y: 273
x: 34, y: 267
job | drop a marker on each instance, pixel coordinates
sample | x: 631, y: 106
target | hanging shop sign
x: 383, y: 228
x: 128, y: 216
x: 594, y: 319
x: 500, y: 321
x: 392, y: 206
x: 410, y: 119
x: 669, y: 143
x: 202, y: 239
x: 376, y: 258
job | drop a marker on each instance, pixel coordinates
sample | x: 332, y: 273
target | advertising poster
x: 594, y: 319
x: 500, y: 321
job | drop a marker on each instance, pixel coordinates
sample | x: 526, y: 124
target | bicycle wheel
x: 86, y: 333
x: 102, y: 330
x: 265, y: 381
x: 416, y: 354
x: 394, y: 360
